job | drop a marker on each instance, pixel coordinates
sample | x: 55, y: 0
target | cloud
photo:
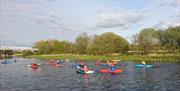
x: 172, y: 3
x: 121, y: 19
x: 176, y: 14
x: 44, y: 17
x: 161, y: 25
x: 165, y: 24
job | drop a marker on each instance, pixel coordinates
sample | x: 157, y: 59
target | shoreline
x: 148, y: 58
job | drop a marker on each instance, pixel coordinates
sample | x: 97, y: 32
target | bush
x: 26, y: 52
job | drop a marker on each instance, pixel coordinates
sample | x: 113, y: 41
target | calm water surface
x: 18, y: 77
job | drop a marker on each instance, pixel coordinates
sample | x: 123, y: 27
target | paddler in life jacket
x: 58, y: 62
x: 112, y: 68
x: 108, y: 63
x: 81, y: 64
x: 85, y: 69
x: 143, y: 62
x: 34, y: 65
x: 98, y: 61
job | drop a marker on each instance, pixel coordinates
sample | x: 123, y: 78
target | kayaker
x: 98, y: 61
x: 108, y: 62
x: 34, y: 65
x: 81, y: 64
x: 58, y: 62
x: 112, y: 68
x: 15, y: 60
x: 143, y: 62
x: 62, y: 61
x: 85, y: 69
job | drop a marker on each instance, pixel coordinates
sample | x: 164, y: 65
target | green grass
x: 157, y: 58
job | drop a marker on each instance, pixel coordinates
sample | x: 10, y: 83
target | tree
x: 54, y: 46
x: 66, y: 47
x: 170, y: 38
x: 147, y: 39
x: 134, y: 44
x: 26, y: 53
x: 108, y: 43
x: 43, y: 47
x: 82, y: 44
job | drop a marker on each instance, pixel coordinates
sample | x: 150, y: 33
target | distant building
x: 7, y: 51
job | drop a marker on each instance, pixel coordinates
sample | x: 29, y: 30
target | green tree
x: 43, y: 47
x: 147, y: 39
x: 54, y: 46
x: 82, y: 43
x: 26, y: 53
x: 66, y: 47
x: 170, y: 38
x: 108, y: 43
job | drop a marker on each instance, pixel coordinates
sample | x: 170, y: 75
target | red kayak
x: 113, y: 72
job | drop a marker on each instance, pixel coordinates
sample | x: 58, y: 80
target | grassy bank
x: 159, y: 58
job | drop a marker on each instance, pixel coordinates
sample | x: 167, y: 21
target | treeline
x: 150, y: 40
x: 145, y: 42
x: 98, y: 44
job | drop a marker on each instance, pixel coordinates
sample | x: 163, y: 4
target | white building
x: 17, y: 48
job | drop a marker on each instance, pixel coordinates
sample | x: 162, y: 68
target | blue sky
x: 24, y: 22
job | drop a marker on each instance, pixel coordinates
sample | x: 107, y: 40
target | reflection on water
x: 18, y: 77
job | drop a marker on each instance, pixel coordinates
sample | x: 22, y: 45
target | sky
x: 23, y: 22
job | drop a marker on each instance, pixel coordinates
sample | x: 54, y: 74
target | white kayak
x: 89, y: 71
x: 82, y: 72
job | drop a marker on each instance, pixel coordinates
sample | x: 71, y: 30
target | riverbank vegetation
x: 149, y: 44
x: 72, y: 57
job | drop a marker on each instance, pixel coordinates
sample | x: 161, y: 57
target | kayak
x: 89, y: 71
x: 113, y: 72
x: 57, y: 65
x: 34, y: 66
x: 6, y: 62
x: 142, y: 65
x: 82, y: 72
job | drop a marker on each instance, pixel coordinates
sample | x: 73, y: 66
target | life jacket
x: 34, y: 65
x: 80, y: 65
x: 84, y: 69
x: 113, y: 68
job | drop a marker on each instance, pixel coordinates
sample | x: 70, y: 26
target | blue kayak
x: 6, y: 62
x: 80, y: 72
x: 142, y: 65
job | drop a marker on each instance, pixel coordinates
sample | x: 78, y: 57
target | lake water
x: 18, y: 77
